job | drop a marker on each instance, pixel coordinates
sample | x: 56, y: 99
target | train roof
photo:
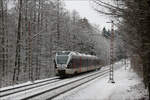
x: 73, y: 53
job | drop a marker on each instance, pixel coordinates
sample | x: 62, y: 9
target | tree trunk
x: 2, y: 53
x: 18, y: 45
x: 149, y: 90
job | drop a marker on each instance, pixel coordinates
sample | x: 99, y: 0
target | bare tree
x: 18, y: 46
x: 133, y: 29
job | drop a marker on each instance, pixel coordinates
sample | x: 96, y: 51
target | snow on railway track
x: 54, y: 92
x: 25, y: 84
x: 24, y: 87
x: 42, y: 90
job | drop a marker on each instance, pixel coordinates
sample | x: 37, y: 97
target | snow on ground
x: 23, y: 84
x: 127, y: 86
x: 14, y: 86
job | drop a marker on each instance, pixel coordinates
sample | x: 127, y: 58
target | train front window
x: 62, y: 59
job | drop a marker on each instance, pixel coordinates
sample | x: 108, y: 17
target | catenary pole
x: 111, y: 69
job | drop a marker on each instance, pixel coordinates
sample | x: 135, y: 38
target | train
x: 69, y: 63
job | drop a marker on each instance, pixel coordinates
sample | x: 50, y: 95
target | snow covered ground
x: 24, y: 84
x: 127, y: 86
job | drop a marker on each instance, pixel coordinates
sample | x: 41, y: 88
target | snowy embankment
x: 127, y: 86
x: 25, y: 84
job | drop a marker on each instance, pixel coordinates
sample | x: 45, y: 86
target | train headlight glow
x: 61, y: 66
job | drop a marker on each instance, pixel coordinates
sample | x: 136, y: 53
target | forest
x: 32, y: 31
x: 132, y: 19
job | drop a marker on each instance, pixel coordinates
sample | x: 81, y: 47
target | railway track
x: 54, y: 92
x: 17, y: 89
x: 49, y: 88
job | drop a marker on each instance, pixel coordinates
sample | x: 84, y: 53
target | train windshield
x: 62, y: 59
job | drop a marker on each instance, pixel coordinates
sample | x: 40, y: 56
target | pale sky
x: 85, y: 10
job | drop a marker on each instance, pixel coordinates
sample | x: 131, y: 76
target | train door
x: 80, y: 65
x: 87, y: 65
x: 74, y: 65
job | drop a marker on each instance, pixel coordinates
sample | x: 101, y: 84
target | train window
x: 79, y: 62
x: 73, y: 63
x: 90, y: 62
x: 62, y: 59
x: 87, y: 63
x: 76, y: 62
x: 83, y: 62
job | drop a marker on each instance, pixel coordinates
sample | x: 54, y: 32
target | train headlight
x: 61, y: 67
